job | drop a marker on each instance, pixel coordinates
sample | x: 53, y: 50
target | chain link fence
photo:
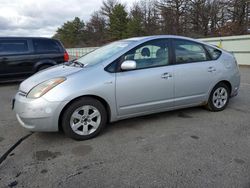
x: 78, y: 52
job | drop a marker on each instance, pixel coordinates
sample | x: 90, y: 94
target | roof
x: 15, y: 37
x: 158, y: 37
x: 139, y: 40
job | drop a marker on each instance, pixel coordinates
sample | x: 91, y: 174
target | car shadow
x: 51, y: 136
x: 139, y: 122
x: 136, y: 123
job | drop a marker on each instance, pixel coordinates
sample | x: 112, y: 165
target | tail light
x: 66, y: 56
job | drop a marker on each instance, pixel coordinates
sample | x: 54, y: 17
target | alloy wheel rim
x: 85, y: 120
x: 220, y: 97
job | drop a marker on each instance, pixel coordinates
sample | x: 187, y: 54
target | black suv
x: 21, y: 57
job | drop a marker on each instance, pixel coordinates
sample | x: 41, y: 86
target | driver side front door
x: 150, y: 87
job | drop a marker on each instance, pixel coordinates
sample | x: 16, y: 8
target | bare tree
x: 173, y: 13
x: 238, y: 15
x: 96, y: 29
x: 193, y: 18
x: 151, y: 17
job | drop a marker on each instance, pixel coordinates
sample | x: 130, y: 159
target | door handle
x: 166, y: 75
x: 211, y: 69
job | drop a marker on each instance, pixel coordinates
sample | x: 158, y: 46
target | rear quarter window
x: 45, y: 46
x: 214, y: 53
x: 13, y: 46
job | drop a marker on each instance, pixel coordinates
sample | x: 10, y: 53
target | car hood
x: 53, y: 72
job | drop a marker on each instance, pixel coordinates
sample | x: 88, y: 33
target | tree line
x: 193, y: 18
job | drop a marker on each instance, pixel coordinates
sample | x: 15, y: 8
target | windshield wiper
x: 78, y: 63
x: 75, y: 62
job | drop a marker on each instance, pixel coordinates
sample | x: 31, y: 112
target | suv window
x: 188, y: 51
x: 45, y: 45
x: 214, y: 53
x: 13, y: 46
x: 150, y: 54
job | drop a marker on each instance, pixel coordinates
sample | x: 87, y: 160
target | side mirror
x: 128, y: 65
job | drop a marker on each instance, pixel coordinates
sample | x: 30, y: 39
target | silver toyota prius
x: 124, y: 79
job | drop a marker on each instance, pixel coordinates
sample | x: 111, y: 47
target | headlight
x: 44, y: 87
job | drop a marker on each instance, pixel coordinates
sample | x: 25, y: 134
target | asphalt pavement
x: 185, y: 148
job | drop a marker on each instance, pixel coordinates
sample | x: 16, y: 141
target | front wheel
x: 84, y: 119
x: 219, y: 98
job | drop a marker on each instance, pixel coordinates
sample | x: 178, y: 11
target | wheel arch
x: 41, y: 63
x: 227, y: 83
x: 208, y: 104
x: 103, y: 101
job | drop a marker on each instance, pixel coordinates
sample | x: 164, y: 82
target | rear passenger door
x: 15, y: 57
x: 194, y: 72
x: 48, y: 51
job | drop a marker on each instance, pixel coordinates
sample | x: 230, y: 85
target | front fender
x: 87, y: 83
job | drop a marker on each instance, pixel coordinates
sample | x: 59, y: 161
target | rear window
x: 13, y: 46
x: 214, y: 53
x: 45, y: 46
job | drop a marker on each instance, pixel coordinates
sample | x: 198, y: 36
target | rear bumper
x: 234, y: 92
x: 38, y: 114
x: 235, y: 82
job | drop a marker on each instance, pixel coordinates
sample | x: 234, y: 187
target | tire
x: 84, y: 119
x: 43, y: 67
x: 218, y: 102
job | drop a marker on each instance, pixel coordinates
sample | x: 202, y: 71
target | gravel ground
x: 184, y: 148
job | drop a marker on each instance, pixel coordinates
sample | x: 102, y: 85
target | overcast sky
x: 43, y: 17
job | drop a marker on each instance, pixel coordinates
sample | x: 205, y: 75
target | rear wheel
x: 84, y: 119
x: 219, y: 98
x: 43, y: 67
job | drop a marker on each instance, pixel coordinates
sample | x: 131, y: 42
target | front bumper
x: 38, y: 114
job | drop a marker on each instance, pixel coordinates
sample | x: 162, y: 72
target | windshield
x: 103, y: 53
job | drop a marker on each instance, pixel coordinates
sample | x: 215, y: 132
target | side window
x: 150, y: 54
x: 214, y: 53
x: 188, y: 51
x: 45, y: 46
x: 13, y: 46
